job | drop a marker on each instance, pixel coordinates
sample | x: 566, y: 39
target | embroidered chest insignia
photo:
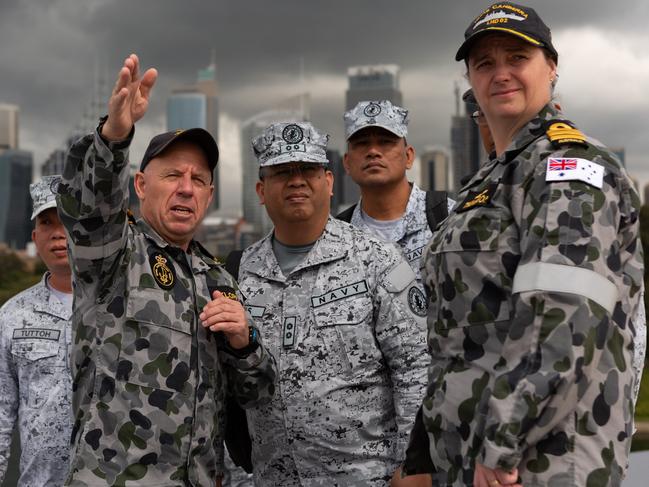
x: 476, y: 199
x: 163, y: 273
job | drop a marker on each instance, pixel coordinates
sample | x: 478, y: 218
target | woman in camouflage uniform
x: 533, y: 281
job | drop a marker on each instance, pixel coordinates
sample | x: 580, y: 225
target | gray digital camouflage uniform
x: 35, y: 385
x: 351, y: 355
x: 149, y: 382
x: 413, y: 234
x: 532, y: 288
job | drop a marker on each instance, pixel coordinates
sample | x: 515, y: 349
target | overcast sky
x: 51, y: 50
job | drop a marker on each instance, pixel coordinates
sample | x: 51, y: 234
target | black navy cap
x: 508, y: 18
x: 198, y: 136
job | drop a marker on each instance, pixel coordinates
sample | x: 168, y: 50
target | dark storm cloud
x: 52, y: 50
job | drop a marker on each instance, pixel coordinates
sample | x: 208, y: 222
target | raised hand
x: 129, y: 100
x: 226, y: 315
x: 487, y: 477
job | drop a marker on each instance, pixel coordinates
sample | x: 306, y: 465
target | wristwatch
x: 253, y: 344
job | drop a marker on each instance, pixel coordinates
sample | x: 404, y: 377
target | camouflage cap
x: 376, y: 114
x: 285, y: 142
x: 43, y: 194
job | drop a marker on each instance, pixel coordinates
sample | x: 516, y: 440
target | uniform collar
x: 329, y: 247
x: 201, y: 260
x: 413, y: 220
x: 530, y: 132
x: 48, y: 303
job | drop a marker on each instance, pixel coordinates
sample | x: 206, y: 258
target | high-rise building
x: 435, y: 166
x: 376, y: 82
x: 466, y: 147
x: 197, y: 106
x: 253, y: 212
x: 15, y: 200
x: 8, y: 126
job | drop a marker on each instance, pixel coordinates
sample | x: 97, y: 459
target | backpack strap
x: 346, y: 215
x: 232, y: 262
x: 436, y: 208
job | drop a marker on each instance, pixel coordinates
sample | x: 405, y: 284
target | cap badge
x: 372, y: 110
x: 292, y: 134
x: 54, y: 185
x: 162, y: 273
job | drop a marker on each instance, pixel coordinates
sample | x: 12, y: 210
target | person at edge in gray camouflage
x: 377, y: 158
x: 35, y: 336
x: 335, y: 308
x: 534, y: 282
x: 418, y: 463
x: 149, y: 371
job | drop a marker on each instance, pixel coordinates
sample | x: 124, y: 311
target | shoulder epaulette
x: 561, y: 132
x: 207, y: 253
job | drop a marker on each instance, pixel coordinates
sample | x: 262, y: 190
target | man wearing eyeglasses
x: 338, y: 310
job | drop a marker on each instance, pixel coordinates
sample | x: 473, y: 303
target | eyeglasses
x: 284, y: 172
x: 478, y: 118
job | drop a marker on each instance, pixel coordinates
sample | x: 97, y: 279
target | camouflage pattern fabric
x: 149, y: 381
x: 35, y: 385
x: 412, y: 234
x: 538, y: 377
x: 351, y: 355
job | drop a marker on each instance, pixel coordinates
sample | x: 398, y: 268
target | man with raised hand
x: 159, y: 329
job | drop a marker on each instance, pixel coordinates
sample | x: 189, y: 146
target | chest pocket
x: 156, y: 342
x: 346, y: 328
x: 469, y: 270
x: 41, y: 369
x: 33, y: 351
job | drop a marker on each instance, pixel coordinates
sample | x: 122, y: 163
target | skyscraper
x: 376, y: 82
x: 197, y: 106
x: 15, y: 201
x: 466, y: 147
x: 435, y: 169
x: 8, y: 126
x: 292, y: 110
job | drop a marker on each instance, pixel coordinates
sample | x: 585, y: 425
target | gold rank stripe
x: 516, y: 33
x: 562, y: 132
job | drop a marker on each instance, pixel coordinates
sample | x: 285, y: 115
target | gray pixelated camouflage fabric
x: 35, y: 385
x: 351, y: 356
x: 538, y: 379
x: 148, y: 379
x: 412, y: 234
x: 284, y: 142
x: 377, y: 113
x: 43, y: 193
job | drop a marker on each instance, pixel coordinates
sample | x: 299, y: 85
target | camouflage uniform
x: 413, y: 232
x: 351, y: 356
x: 149, y: 382
x: 35, y: 384
x: 532, y: 288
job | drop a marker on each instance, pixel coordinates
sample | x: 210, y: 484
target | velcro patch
x: 352, y: 289
x: 255, y: 311
x: 285, y: 148
x: 36, y: 333
x: 575, y: 169
x: 290, y: 326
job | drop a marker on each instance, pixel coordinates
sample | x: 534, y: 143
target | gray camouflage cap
x: 376, y: 114
x: 44, y: 194
x: 285, y: 142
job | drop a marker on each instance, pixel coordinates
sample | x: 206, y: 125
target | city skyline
x: 50, y: 71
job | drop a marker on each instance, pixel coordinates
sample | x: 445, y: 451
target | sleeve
x: 92, y: 203
x: 640, y: 346
x: 400, y: 331
x: 574, y: 293
x: 251, y: 379
x: 8, y: 394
